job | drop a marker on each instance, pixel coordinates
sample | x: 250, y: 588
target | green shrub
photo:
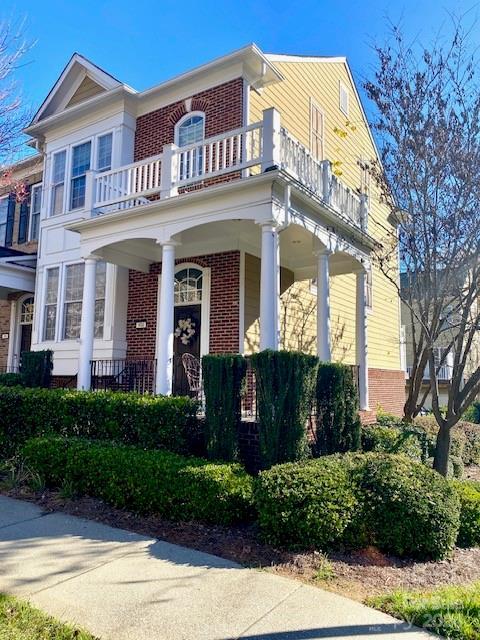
x: 469, y: 532
x: 406, y: 508
x: 36, y: 368
x: 388, y: 419
x: 390, y: 501
x: 306, y: 504
x: 285, y: 383
x: 11, y: 380
x: 472, y: 414
x: 411, y: 441
x: 157, y: 482
x: 223, y: 377
x: 465, y: 438
x: 146, y: 421
x: 338, y: 420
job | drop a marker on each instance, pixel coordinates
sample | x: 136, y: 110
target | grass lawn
x: 21, y: 621
x: 453, y: 612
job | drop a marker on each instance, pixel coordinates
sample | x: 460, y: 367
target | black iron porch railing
x: 123, y: 375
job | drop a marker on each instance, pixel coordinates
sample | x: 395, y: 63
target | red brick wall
x: 223, y: 108
x: 386, y: 391
x: 4, y: 329
x: 224, y: 305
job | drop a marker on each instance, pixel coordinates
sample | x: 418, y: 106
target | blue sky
x: 143, y: 42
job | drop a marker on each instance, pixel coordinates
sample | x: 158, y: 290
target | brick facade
x: 223, y: 108
x: 224, y: 305
x: 4, y: 330
x: 386, y: 391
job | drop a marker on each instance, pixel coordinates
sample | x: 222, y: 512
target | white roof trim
x: 99, y: 76
x: 280, y: 57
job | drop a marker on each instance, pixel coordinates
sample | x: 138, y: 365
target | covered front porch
x: 211, y: 273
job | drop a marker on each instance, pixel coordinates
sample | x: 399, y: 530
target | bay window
x: 58, y: 182
x: 72, y: 302
x: 51, y: 299
x: 104, y: 152
x: 35, y: 206
x: 80, y: 165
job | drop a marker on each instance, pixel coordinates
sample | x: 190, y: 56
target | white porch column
x: 323, y: 307
x: 361, y: 339
x: 269, y: 287
x: 87, y: 327
x: 165, y: 323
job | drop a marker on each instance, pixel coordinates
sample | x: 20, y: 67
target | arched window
x: 26, y: 311
x: 188, y: 286
x: 190, y: 133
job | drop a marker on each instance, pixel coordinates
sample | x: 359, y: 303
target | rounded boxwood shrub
x: 406, y: 508
x: 305, y: 504
x: 469, y: 532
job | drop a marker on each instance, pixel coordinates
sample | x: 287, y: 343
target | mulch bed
x: 355, y: 574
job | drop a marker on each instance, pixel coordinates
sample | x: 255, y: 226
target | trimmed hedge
x: 390, y: 501
x: 150, y: 422
x: 173, y: 486
x: 285, y: 383
x: 11, y: 380
x: 338, y: 420
x: 223, y: 376
x: 407, y: 508
x: 408, y: 440
x: 469, y: 533
x: 36, y: 368
x: 307, y: 504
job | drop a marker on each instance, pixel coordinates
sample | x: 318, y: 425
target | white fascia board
x: 16, y: 278
x: 280, y: 57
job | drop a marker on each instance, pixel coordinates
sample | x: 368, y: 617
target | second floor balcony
x: 234, y: 155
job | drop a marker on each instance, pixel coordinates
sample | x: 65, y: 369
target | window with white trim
x: 51, y: 300
x: 27, y: 310
x: 81, y: 159
x: 364, y: 166
x: 188, y: 131
x: 100, y: 287
x: 35, y: 208
x: 3, y: 219
x: 104, y: 152
x: 188, y: 286
x: 72, y: 300
x: 344, y: 98
x: 58, y: 182
x: 316, y: 131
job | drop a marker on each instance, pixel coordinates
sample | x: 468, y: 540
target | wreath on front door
x: 185, y: 330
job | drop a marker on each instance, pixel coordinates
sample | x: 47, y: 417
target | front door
x: 187, y: 320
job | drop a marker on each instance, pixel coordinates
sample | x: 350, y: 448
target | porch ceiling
x: 297, y: 247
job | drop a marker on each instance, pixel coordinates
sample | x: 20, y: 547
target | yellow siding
x: 320, y: 81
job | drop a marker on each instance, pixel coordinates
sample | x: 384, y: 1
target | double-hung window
x: 72, y: 303
x: 58, y: 182
x: 316, y: 131
x: 104, y: 152
x: 81, y: 155
x: 35, y: 207
x: 51, y: 299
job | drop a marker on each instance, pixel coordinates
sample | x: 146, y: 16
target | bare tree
x: 428, y: 126
x: 13, y: 115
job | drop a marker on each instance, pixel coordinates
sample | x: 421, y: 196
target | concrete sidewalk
x: 120, y: 585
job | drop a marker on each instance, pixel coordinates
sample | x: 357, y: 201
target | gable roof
x: 71, y: 82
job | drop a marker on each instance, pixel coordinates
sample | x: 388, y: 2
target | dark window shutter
x: 10, y: 220
x: 23, y: 220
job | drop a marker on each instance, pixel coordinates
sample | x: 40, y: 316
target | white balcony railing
x: 444, y: 373
x: 262, y: 145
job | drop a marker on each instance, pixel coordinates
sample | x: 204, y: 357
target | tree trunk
x: 442, y: 451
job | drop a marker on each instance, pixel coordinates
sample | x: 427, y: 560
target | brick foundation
x: 386, y: 391
x: 224, y: 305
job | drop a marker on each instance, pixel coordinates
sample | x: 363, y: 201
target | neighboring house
x: 203, y: 215
x: 20, y: 202
x: 443, y: 354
